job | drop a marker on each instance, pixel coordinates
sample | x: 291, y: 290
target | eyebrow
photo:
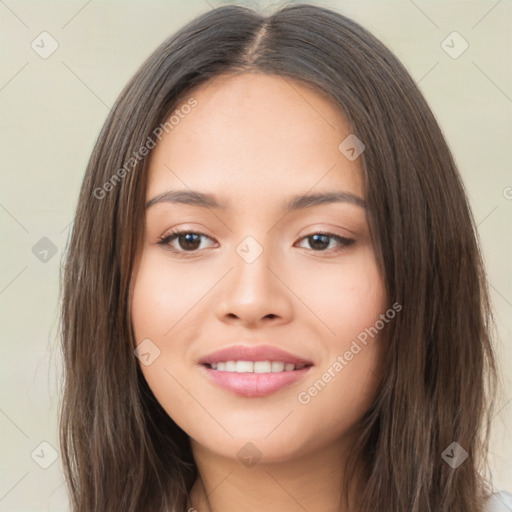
x: 298, y: 202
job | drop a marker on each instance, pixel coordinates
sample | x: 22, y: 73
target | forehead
x: 255, y: 134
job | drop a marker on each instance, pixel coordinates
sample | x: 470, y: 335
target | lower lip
x: 254, y: 384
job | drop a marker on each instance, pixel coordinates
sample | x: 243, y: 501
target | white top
x: 499, y: 502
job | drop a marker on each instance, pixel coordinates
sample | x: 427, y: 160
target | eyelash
x: 167, y: 239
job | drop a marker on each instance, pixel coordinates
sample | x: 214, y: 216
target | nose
x: 255, y: 293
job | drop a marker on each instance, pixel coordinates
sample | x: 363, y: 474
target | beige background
x: 52, y: 111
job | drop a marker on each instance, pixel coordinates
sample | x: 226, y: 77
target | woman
x: 273, y: 297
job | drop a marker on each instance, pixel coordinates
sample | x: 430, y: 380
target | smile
x: 256, y: 366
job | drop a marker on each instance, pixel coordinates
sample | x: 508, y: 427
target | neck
x: 311, y: 482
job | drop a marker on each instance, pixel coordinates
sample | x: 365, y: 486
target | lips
x: 249, y: 384
x: 257, y: 353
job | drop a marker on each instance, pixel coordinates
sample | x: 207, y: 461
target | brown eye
x: 319, y: 242
x: 188, y: 241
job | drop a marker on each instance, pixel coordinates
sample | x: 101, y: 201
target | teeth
x: 277, y: 366
x: 262, y: 367
x: 255, y: 367
x: 244, y: 367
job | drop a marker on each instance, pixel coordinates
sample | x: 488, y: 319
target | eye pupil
x: 188, y: 238
x: 319, y: 241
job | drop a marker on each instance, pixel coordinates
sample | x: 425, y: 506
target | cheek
x: 348, y: 303
x: 163, y: 295
x: 345, y: 298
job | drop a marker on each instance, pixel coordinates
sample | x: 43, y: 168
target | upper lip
x: 254, y: 353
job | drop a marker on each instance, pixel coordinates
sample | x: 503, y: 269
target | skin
x: 257, y: 140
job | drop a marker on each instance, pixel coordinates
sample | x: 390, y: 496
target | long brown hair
x: 121, y: 451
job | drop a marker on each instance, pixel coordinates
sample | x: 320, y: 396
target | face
x: 288, y: 289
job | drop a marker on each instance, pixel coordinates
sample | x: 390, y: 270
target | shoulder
x: 499, y: 502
